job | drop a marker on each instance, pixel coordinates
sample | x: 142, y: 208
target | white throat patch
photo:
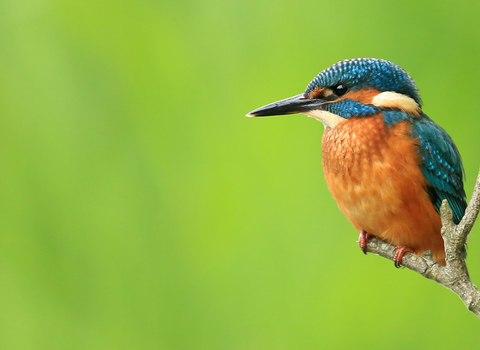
x: 328, y: 119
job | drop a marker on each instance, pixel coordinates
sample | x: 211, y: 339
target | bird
x: 387, y: 165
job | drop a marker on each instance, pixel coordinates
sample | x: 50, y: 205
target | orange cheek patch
x: 362, y: 96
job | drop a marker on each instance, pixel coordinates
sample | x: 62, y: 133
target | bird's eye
x: 340, y: 90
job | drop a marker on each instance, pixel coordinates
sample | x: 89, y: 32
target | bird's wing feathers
x: 441, y: 165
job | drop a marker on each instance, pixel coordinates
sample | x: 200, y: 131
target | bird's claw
x: 399, y: 253
x: 362, y: 241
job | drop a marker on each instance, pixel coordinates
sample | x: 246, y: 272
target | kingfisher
x: 386, y: 163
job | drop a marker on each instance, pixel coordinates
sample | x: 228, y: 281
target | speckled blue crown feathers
x: 362, y: 73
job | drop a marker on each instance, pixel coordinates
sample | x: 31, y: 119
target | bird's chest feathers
x: 360, y: 145
x: 368, y: 165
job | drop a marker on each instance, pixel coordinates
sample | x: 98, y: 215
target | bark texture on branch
x: 454, y: 276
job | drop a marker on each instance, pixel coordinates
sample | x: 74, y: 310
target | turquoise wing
x: 441, y: 165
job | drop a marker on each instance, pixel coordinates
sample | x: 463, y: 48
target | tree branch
x: 454, y: 275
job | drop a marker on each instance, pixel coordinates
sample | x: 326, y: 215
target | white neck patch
x: 396, y: 100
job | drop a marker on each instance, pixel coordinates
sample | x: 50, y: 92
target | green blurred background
x: 140, y: 209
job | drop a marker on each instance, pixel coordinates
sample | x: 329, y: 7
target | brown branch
x: 454, y: 276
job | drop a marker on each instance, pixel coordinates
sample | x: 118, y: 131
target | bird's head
x: 352, y: 88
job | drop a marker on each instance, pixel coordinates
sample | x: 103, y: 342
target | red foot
x: 362, y: 241
x: 399, y: 253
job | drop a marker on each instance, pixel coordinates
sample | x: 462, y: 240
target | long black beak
x: 295, y: 104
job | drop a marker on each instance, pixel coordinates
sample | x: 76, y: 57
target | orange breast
x: 373, y: 174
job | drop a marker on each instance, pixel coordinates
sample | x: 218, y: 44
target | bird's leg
x: 362, y: 241
x: 399, y: 253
